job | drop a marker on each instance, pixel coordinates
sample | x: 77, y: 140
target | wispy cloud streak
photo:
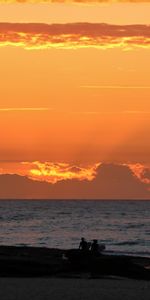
x: 115, y: 87
x: 74, y: 1
x: 7, y: 109
x: 126, y: 112
x: 74, y: 36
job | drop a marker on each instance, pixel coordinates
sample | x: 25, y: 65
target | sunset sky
x: 75, y: 95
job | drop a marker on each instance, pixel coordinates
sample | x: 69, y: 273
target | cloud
x: 142, y: 172
x: 146, y: 176
x: 112, y: 181
x: 123, y: 112
x: 121, y: 181
x: 74, y: 36
x: 75, y: 1
x: 8, y: 109
x: 122, y: 87
x: 54, y: 172
x: 99, y: 174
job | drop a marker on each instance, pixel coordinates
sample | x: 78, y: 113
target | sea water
x: 123, y: 226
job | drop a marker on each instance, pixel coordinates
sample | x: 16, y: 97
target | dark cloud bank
x: 112, y: 182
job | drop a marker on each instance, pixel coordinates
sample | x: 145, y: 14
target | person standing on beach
x: 83, y: 245
x: 95, y: 249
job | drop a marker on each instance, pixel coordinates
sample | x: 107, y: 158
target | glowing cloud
x: 8, y: 109
x: 53, y: 172
x: 74, y: 36
x: 141, y: 171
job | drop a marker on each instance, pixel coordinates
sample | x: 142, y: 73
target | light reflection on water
x: 121, y: 225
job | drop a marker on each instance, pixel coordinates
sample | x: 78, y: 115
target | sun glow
x: 53, y: 172
x: 36, y: 42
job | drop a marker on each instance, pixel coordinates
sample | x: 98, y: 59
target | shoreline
x: 26, y: 261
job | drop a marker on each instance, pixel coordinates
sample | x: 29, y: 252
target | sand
x: 28, y: 273
x: 73, y: 289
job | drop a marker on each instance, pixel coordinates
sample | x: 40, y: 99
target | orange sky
x: 76, y: 94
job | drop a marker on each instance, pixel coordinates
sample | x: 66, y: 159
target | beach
x: 43, y: 274
x: 73, y: 289
x: 51, y: 262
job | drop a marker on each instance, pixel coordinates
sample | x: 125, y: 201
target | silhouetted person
x: 83, y: 245
x: 95, y: 250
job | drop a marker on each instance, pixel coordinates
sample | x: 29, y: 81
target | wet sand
x: 73, y: 289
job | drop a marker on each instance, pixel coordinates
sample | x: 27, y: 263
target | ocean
x: 123, y: 226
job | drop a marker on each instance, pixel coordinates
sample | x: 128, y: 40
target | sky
x: 75, y: 90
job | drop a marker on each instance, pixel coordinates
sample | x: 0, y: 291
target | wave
x: 131, y: 226
x: 129, y: 253
x: 126, y: 243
